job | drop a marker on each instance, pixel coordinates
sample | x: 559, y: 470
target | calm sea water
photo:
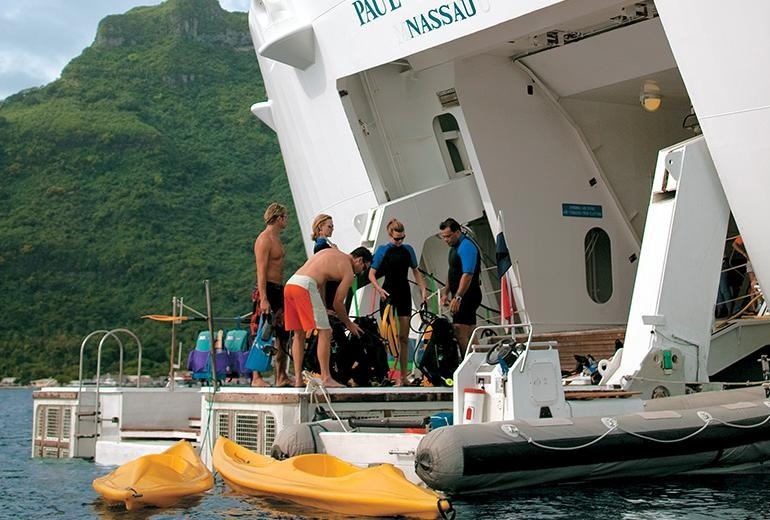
x: 61, y: 489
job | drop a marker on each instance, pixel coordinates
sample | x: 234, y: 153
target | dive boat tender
x: 711, y: 431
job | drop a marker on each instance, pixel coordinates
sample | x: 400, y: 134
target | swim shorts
x: 304, y: 308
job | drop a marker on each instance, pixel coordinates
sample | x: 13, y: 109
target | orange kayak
x: 157, y: 480
x: 326, y: 482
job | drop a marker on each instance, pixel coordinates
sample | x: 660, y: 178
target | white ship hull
x: 542, y: 127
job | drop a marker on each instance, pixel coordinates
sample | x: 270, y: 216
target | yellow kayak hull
x: 325, y: 482
x: 158, y: 480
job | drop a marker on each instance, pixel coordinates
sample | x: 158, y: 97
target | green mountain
x: 131, y: 179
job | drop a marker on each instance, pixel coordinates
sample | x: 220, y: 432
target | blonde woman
x: 392, y: 261
x: 323, y: 227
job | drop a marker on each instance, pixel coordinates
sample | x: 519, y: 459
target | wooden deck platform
x: 599, y: 343
x: 587, y: 395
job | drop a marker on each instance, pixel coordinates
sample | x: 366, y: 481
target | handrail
x: 443, y: 284
x: 111, y: 333
x: 120, y: 373
x: 511, y: 326
x: 82, y: 348
x: 80, y: 365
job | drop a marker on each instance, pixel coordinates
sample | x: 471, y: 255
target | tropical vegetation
x: 132, y: 178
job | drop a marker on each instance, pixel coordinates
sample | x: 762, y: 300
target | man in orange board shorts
x: 304, y: 309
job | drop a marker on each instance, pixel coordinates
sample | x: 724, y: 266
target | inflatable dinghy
x: 706, y: 431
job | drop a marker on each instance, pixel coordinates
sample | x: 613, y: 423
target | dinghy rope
x: 707, y: 419
x: 726, y: 385
x: 742, y: 426
x: 206, y: 434
x: 315, y: 386
x: 612, y: 424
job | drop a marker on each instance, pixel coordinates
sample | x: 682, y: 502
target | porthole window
x: 598, y: 258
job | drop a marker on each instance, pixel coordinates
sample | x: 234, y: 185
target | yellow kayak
x: 157, y: 480
x: 326, y: 482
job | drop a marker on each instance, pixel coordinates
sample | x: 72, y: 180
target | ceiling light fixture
x: 650, y: 96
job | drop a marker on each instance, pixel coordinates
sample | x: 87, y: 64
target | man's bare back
x: 328, y: 264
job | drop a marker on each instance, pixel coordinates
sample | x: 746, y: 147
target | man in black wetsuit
x: 463, y: 288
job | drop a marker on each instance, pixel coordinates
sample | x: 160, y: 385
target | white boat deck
x: 136, y: 421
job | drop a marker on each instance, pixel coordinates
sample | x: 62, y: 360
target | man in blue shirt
x: 463, y: 289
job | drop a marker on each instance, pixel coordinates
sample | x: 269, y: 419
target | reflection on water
x: 61, y: 489
x: 681, y: 497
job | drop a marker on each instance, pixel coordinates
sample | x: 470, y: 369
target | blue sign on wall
x: 581, y: 210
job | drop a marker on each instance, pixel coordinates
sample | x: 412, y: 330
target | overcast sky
x: 39, y: 37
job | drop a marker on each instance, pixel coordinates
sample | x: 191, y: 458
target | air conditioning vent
x: 52, y: 432
x: 254, y: 430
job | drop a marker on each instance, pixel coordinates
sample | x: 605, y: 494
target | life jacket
x: 237, y: 347
x: 199, y: 360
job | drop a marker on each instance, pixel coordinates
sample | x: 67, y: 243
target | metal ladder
x: 88, y: 415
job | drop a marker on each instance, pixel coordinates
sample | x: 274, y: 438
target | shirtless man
x: 269, y: 255
x: 305, y: 309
